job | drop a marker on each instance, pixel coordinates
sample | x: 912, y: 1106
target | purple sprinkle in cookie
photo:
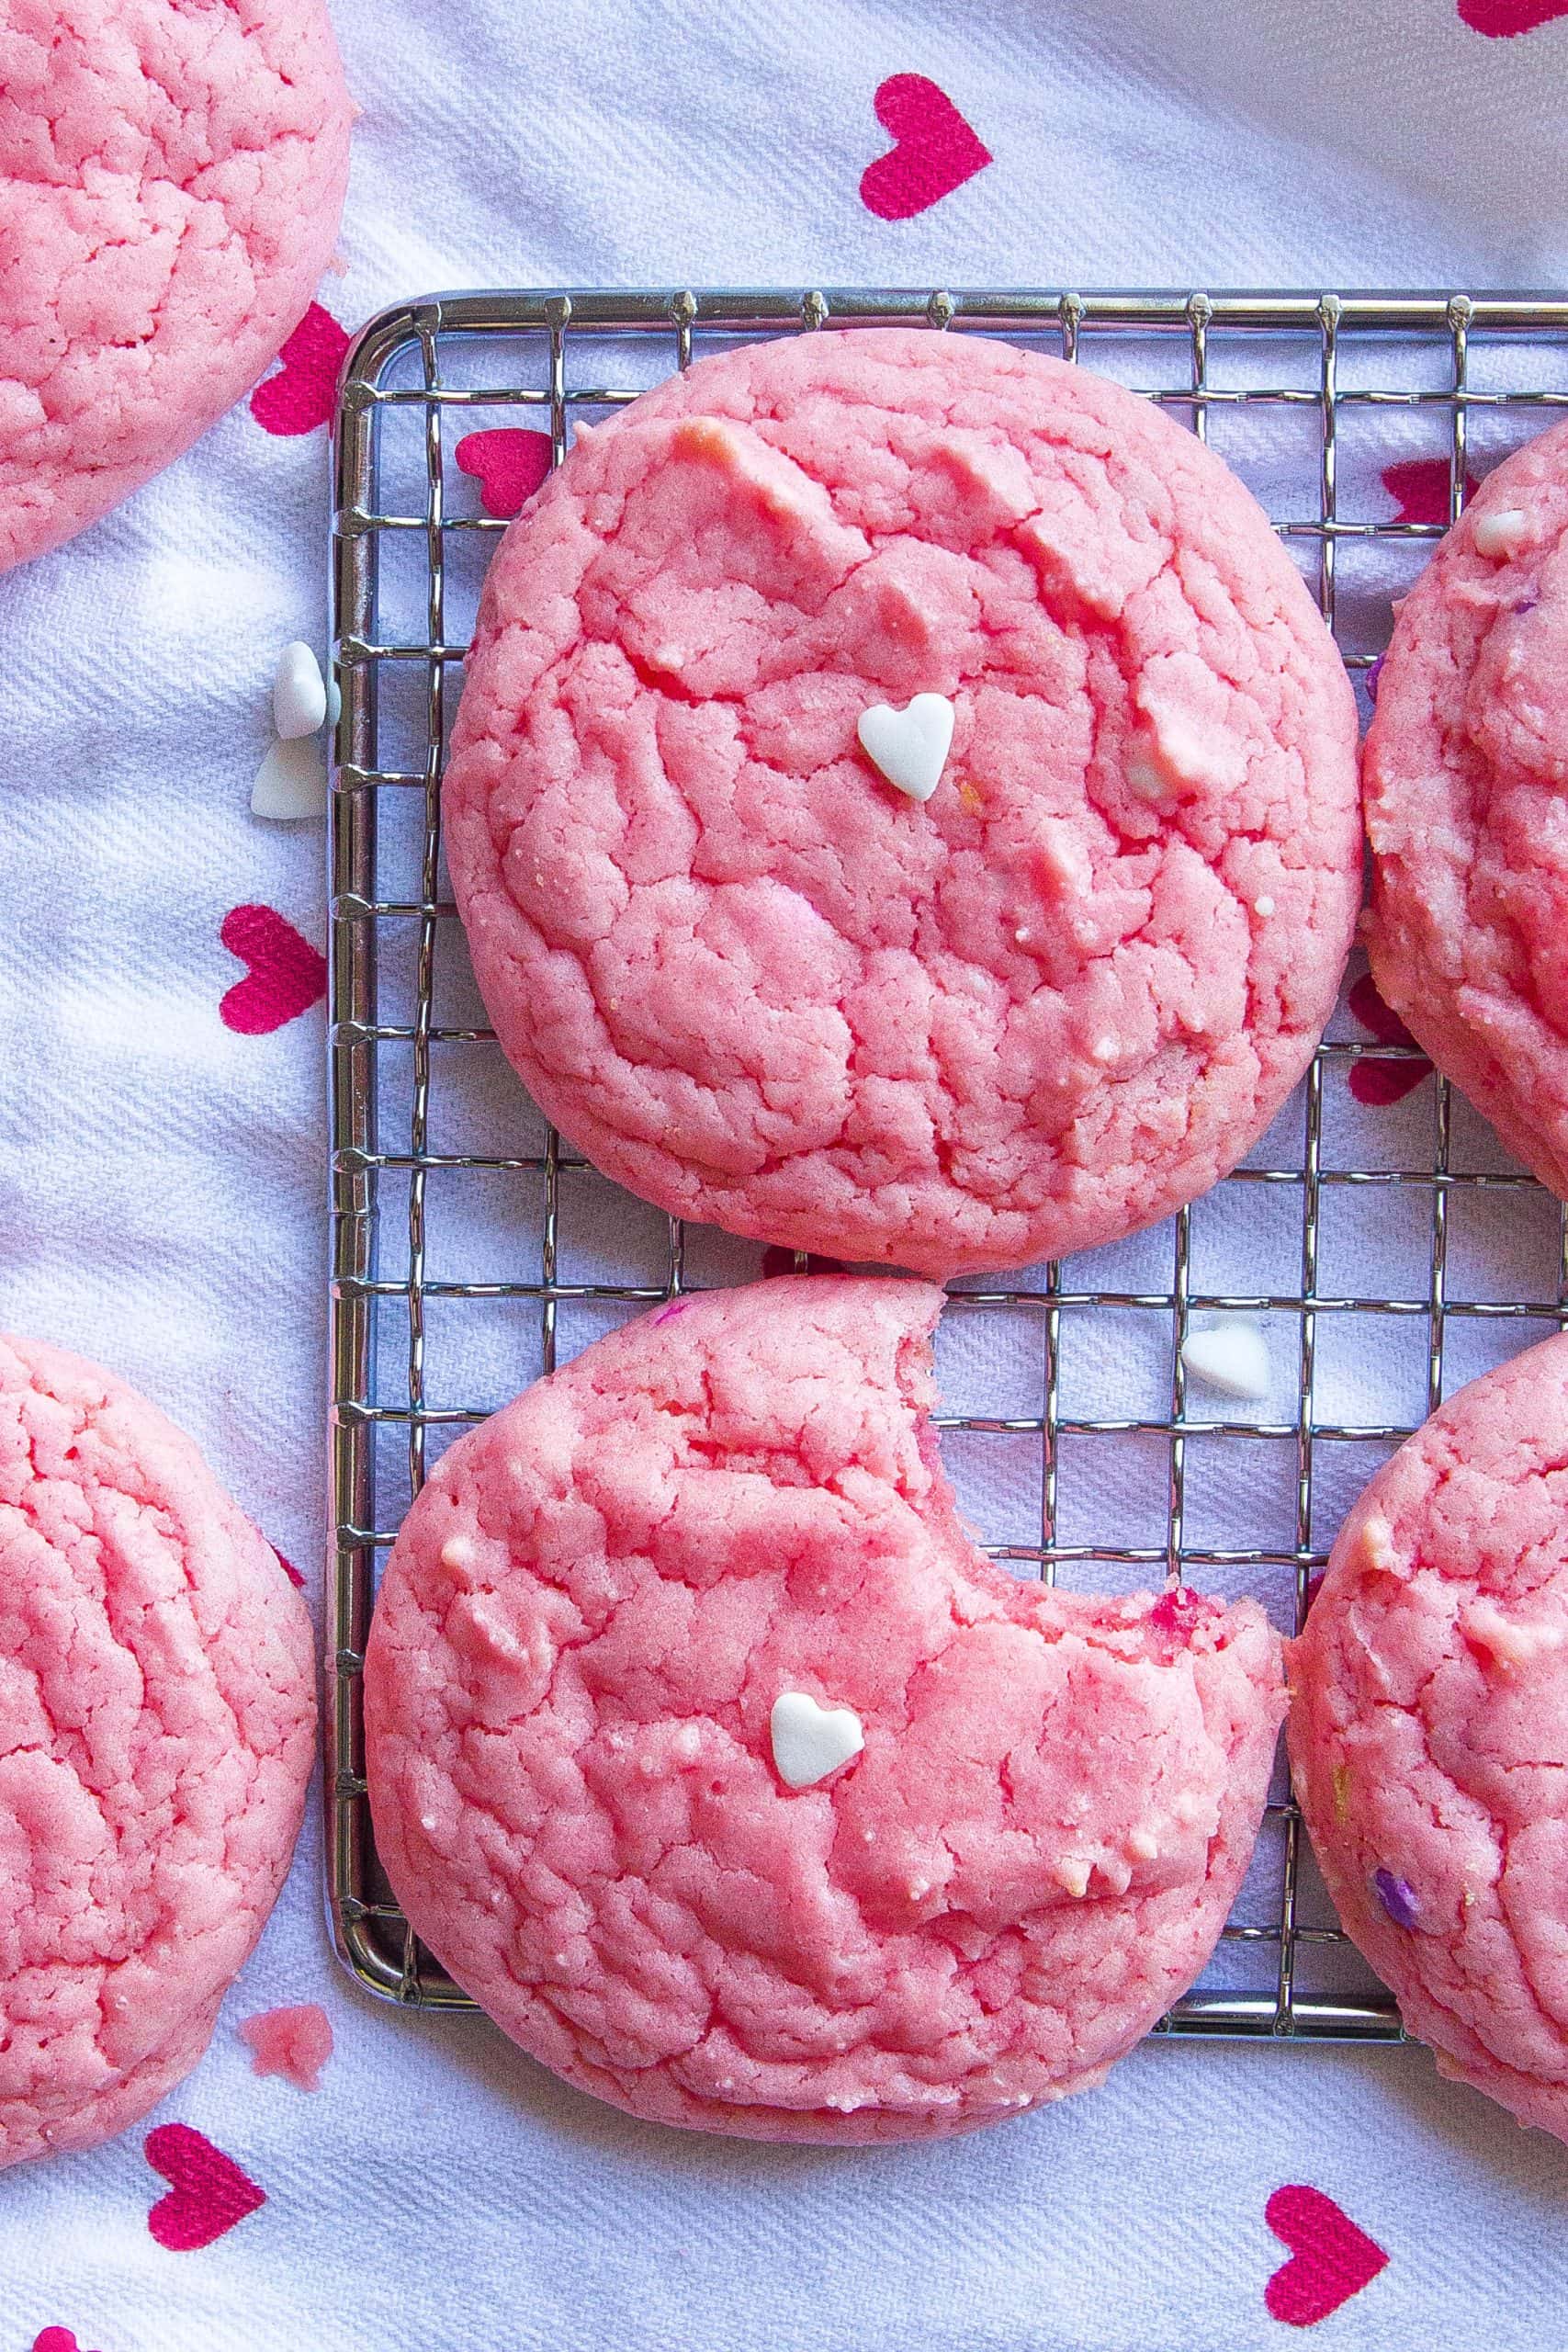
x: 1397, y: 1897
x: 157, y: 1719
x: 171, y: 178
x: 1465, y: 772
x: 1430, y: 1732
x: 712, y: 1758
x: 903, y: 802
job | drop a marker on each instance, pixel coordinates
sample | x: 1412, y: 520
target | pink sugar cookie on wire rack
x: 903, y: 803
x: 714, y: 1761
x: 171, y: 180
x: 1466, y: 763
x: 1429, y: 1726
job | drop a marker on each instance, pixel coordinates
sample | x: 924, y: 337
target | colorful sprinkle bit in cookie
x: 1397, y: 1897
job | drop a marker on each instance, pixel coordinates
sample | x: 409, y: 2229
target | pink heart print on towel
x: 299, y: 396
x: 1330, y: 2260
x: 1383, y: 1082
x: 286, y: 975
x: 1419, y: 488
x: 934, y: 150
x: 209, y: 2193
x: 508, y: 464
x: 1501, y: 19
x: 56, y: 2339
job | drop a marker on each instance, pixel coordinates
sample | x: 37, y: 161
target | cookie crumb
x: 295, y: 2043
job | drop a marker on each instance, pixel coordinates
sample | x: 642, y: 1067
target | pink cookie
x: 712, y: 1757
x: 157, y: 1716
x: 1466, y: 768
x: 171, y: 177
x: 757, y: 983
x: 1430, y: 1732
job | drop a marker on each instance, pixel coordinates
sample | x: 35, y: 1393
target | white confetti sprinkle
x: 1231, y: 1357
x: 298, y: 693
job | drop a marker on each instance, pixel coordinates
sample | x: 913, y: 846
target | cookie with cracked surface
x: 1428, y: 1732
x: 170, y: 179
x: 990, y: 1835
x: 1465, y: 770
x: 157, y: 1718
x: 758, y: 984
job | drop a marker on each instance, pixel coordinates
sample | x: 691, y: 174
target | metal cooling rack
x: 1302, y: 393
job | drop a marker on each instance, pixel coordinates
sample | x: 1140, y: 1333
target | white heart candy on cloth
x: 810, y: 1741
x: 910, y: 746
x: 298, y: 693
x: 291, y: 782
x: 1231, y: 1357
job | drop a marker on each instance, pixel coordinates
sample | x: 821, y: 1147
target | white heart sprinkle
x: 910, y: 746
x: 810, y: 1741
x: 1231, y: 1356
x: 298, y: 693
x: 291, y: 782
x: 1503, y: 534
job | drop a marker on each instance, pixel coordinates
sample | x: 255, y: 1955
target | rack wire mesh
x: 471, y: 1251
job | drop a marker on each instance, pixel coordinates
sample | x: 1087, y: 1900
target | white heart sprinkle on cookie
x: 1231, y: 1357
x: 810, y: 1741
x: 910, y: 746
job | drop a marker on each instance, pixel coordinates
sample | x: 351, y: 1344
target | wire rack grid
x: 1306, y: 394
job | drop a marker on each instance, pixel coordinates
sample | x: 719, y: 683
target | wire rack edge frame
x: 359, y: 1924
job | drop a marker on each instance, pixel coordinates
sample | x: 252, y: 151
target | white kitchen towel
x: 162, y: 1183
